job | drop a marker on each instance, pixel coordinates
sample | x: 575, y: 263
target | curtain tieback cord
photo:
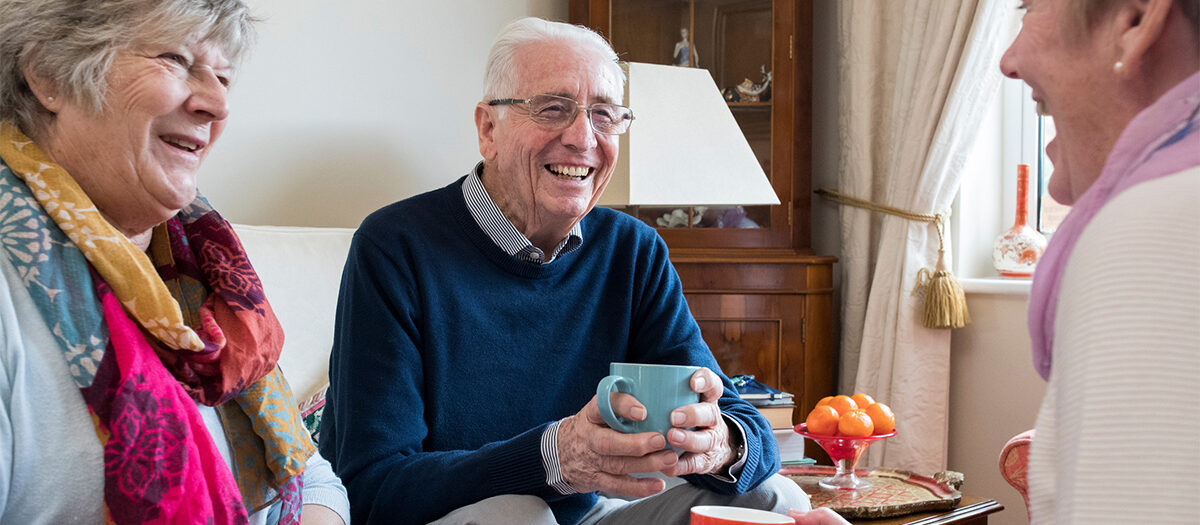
x: 945, y: 304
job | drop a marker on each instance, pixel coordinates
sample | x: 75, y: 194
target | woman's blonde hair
x: 72, y: 44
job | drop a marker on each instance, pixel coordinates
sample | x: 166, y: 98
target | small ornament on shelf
x: 680, y: 218
x: 760, y: 92
x: 731, y: 95
x: 684, y: 55
x: 1016, y: 252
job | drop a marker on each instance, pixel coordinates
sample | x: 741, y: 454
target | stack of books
x: 777, y: 407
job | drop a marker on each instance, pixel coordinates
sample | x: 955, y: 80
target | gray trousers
x: 776, y: 494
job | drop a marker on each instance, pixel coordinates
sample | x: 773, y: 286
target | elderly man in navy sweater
x: 475, y: 321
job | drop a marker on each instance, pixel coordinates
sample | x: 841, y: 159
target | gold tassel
x: 945, y: 303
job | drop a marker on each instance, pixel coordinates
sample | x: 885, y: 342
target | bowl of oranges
x: 845, y: 426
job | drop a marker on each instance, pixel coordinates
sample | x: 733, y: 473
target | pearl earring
x: 49, y: 99
x: 1117, y: 67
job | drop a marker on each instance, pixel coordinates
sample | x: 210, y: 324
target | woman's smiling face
x: 137, y: 158
x: 1072, y: 80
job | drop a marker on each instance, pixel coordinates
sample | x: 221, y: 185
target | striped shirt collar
x: 502, y: 232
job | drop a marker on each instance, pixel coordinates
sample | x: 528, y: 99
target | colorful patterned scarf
x: 204, y: 333
x: 1159, y: 141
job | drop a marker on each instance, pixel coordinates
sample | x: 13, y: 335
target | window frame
x: 1008, y: 136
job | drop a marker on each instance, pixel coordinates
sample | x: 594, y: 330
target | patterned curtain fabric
x: 916, y: 77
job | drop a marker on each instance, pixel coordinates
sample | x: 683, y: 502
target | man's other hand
x: 700, y: 431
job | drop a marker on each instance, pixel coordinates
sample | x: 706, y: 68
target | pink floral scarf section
x: 159, y: 456
x: 1161, y: 140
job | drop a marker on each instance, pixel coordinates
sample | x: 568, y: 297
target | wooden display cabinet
x: 762, y: 298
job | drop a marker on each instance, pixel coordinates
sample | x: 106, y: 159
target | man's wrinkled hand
x: 593, y: 456
x: 700, y: 431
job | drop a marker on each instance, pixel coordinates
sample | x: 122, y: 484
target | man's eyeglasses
x: 555, y: 112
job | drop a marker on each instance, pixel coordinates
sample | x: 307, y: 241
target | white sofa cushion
x: 301, y: 271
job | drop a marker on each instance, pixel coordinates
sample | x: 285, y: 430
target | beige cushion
x: 301, y: 270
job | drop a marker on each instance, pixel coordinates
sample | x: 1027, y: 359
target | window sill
x: 995, y: 286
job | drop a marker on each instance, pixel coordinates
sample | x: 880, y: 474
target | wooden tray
x: 892, y: 492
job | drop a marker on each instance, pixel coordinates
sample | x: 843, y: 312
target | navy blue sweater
x: 450, y: 357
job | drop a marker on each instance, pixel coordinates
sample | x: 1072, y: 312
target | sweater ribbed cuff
x: 521, y: 471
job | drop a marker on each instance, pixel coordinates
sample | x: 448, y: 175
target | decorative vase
x: 1016, y: 252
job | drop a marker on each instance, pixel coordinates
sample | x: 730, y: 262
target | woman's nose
x: 209, y: 96
x: 1008, y: 62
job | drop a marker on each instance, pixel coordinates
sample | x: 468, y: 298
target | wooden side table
x: 970, y: 511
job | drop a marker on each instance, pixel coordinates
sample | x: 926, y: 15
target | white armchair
x: 301, y: 271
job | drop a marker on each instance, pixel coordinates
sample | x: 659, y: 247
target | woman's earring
x: 49, y: 99
x: 1118, y: 67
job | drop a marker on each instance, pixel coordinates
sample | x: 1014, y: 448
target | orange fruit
x: 855, y: 423
x: 825, y: 400
x: 822, y: 421
x: 862, y: 400
x: 843, y: 404
x: 882, y: 416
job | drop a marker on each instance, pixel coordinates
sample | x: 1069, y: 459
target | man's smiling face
x: 548, y: 179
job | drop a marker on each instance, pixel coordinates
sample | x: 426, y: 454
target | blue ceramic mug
x: 660, y: 388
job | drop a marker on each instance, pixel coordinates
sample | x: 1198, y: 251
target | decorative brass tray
x: 892, y: 492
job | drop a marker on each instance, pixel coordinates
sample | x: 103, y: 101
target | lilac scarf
x: 1159, y: 141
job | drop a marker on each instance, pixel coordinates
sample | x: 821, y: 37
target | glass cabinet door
x: 748, y: 46
x: 732, y: 40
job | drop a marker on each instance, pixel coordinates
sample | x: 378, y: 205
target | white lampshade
x: 684, y: 148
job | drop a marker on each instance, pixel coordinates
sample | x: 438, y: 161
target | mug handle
x: 606, y: 387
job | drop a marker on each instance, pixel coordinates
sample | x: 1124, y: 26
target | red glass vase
x: 1016, y: 252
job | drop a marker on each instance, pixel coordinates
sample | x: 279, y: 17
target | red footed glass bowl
x: 844, y: 451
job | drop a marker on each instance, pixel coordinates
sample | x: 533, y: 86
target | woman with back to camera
x: 1114, y: 310
x: 1116, y: 296
x: 138, y: 378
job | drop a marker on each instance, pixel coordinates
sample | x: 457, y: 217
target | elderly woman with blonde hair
x: 138, y: 377
x: 1114, y: 310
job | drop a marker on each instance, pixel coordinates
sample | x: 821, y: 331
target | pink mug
x: 720, y: 515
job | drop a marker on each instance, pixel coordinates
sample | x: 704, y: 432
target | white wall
x: 346, y: 106
x: 826, y: 225
x: 994, y: 395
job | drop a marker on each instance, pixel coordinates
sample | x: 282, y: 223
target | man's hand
x: 708, y: 448
x: 593, y: 456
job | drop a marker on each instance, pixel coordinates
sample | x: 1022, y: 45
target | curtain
x: 916, y: 77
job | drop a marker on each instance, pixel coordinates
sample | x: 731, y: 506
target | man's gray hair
x: 72, y: 44
x: 500, y: 78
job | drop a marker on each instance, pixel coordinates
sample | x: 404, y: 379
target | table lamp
x: 684, y: 148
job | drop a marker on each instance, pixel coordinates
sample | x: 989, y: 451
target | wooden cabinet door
x: 747, y: 333
x: 767, y: 315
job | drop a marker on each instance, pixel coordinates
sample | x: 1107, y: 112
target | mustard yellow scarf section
x: 124, y: 267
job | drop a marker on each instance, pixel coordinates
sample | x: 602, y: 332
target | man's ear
x: 1140, y: 23
x: 45, y: 90
x: 485, y: 126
